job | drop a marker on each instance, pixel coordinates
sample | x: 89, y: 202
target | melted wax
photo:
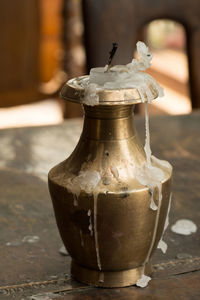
x: 162, y: 245
x: 90, y: 227
x: 143, y: 281
x: 123, y: 76
x: 95, y: 195
x: 152, y: 172
x: 184, y: 227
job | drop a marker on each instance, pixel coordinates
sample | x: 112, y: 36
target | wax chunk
x: 151, y: 174
x: 143, y: 281
x: 162, y: 245
x: 86, y: 181
x: 123, y: 76
x: 63, y: 251
x: 168, y: 210
x: 91, y: 98
x: 184, y: 227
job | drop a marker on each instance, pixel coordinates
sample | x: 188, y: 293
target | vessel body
x: 108, y: 226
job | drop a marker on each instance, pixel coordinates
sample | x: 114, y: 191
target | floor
x: 169, y: 68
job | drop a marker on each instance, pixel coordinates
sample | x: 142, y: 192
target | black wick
x: 112, y: 53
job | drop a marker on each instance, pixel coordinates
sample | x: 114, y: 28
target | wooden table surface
x: 31, y: 266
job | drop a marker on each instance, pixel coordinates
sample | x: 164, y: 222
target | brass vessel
x: 108, y: 232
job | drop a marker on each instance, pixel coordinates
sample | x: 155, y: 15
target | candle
x: 123, y: 76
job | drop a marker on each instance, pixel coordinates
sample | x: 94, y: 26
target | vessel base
x: 109, y: 279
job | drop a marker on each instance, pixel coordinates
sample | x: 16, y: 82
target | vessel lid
x: 74, y: 90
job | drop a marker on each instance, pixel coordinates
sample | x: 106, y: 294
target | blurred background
x: 42, y: 46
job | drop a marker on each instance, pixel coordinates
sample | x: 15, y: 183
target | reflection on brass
x: 124, y: 220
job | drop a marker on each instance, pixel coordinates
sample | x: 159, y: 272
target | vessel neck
x: 108, y: 122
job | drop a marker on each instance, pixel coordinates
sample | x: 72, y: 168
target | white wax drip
x: 101, y: 277
x: 184, y: 227
x: 152, y: 176
x: 168, y: 210
x: 75, y: 197
x: 162, y: 245
x: 90, y: 227
x: 153, y: 206
x: 147, y: 148
x: 148, y: 174
x: 95, y: 196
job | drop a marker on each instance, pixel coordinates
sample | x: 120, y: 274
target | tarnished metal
x: 124, y: 221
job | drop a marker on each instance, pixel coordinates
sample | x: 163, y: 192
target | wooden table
x: 30, y: 262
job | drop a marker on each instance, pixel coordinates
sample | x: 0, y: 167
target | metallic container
x: 108, y: 232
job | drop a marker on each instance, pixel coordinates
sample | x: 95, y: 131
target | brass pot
x: 108, y: 231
